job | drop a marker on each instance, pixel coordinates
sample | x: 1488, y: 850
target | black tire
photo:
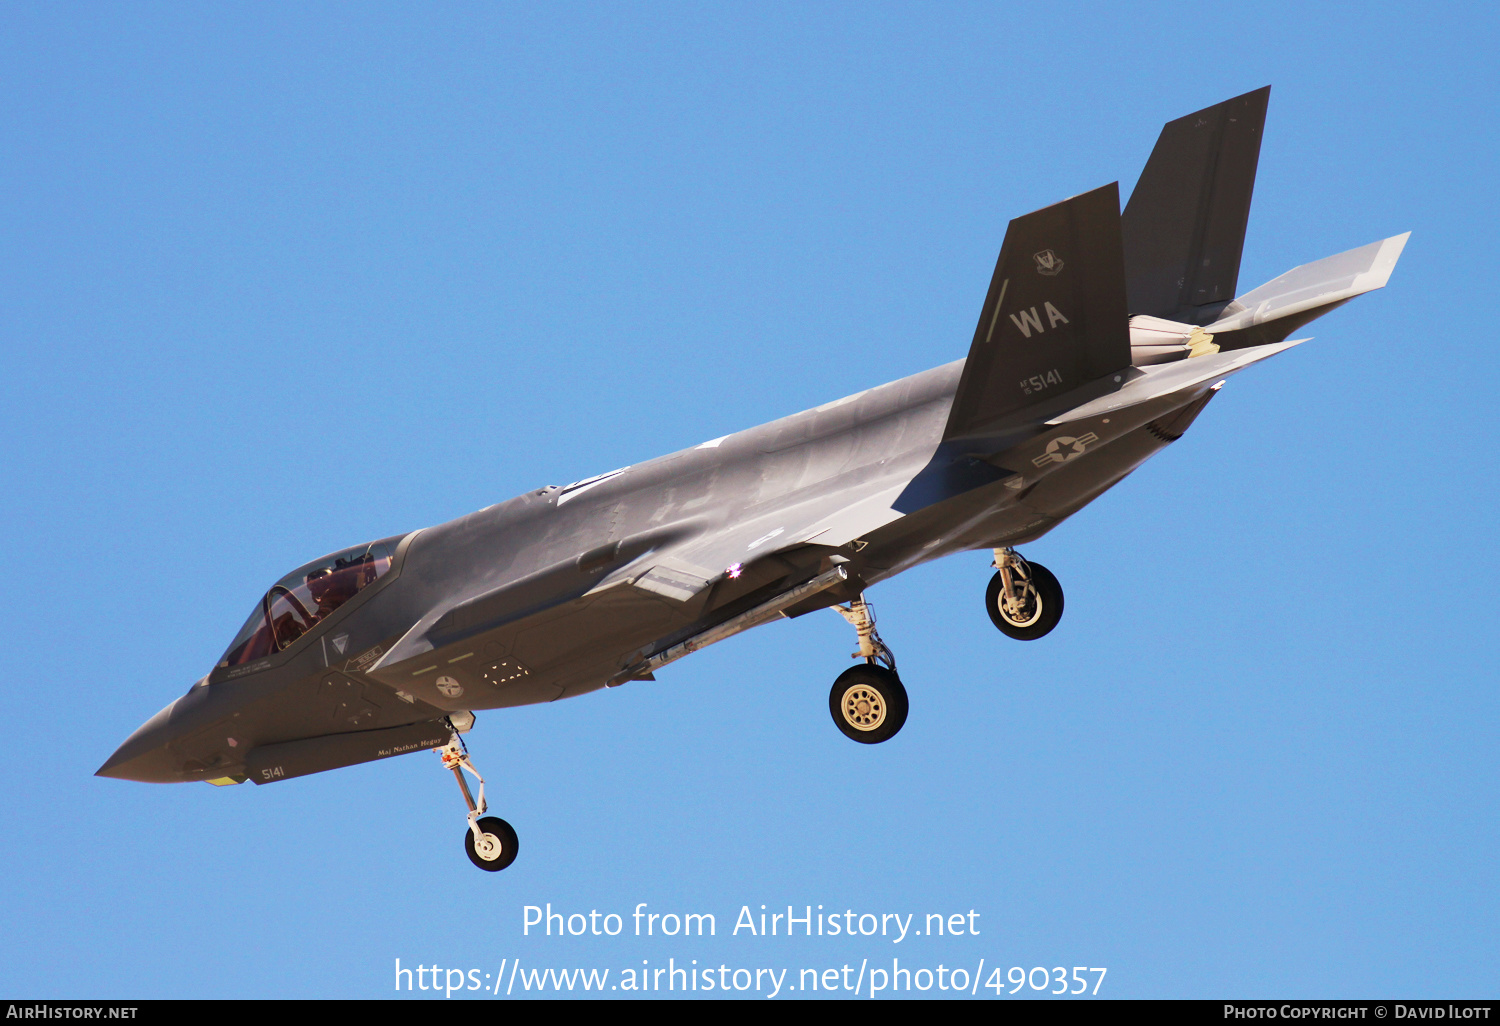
x: 1041, y: 613
x: 505, y: 838
x: 868, y: 703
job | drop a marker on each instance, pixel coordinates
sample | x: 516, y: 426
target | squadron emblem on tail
x: 1047, y: 262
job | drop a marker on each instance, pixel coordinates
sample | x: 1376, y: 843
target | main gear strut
x: 868, y: 702
x: 871, y: 648
x: 1024, y: 600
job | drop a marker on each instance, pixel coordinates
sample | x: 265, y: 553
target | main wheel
x: 497, y: 845
x: 868, y: 703
x: 1039, y: 608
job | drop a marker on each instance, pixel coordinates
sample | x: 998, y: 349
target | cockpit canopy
x: 307, y: 595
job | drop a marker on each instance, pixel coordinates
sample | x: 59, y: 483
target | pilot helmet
x: 318, y: 581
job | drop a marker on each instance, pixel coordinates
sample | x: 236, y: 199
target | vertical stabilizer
x: 1184, y: 225
x: 1054, y: 318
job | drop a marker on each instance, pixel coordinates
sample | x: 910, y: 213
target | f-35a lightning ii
x: 1103, y: 335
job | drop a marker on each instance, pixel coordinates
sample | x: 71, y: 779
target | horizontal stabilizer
x: 1279, y: 307
x: 1054, y: 318
x: 1163, y: 379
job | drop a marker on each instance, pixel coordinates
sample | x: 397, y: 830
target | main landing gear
x: 1024, y: 600
x: 490, y: 841
x: 868, y: 702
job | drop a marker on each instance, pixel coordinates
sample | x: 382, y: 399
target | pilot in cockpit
x: 320, y: 586
x: 330, y: 589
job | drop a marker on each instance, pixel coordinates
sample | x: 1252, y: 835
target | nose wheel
x: 492, y: 845
x: 490, y: 842
x: 868, y: 702
x: 1024, y: 600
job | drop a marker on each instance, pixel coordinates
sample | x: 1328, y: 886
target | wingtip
x: 1385, y: 261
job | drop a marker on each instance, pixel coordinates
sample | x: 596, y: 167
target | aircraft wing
x: 834, y: 518
x: 679, y: 564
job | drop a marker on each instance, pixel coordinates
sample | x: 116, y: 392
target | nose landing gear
x: 1024, y: 600
x: 491, y: 842
x: 868, y: 703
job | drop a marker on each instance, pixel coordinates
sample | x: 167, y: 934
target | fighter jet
x: 1103, y: 335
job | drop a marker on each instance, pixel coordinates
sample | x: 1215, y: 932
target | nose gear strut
x: 490, y: 841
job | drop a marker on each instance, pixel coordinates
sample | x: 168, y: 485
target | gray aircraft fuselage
x: 544, y: 537
x: 566, y: 590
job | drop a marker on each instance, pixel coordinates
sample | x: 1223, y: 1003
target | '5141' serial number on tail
x: 1041, y: 382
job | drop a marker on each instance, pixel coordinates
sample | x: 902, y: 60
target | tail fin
x: 1054, y: 319
x: 1184, y: 224
x: 1279, y: 307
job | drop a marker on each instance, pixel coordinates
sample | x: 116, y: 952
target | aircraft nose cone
x: 144, y: 754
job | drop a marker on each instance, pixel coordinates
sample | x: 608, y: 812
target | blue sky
x: 282, y: 278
